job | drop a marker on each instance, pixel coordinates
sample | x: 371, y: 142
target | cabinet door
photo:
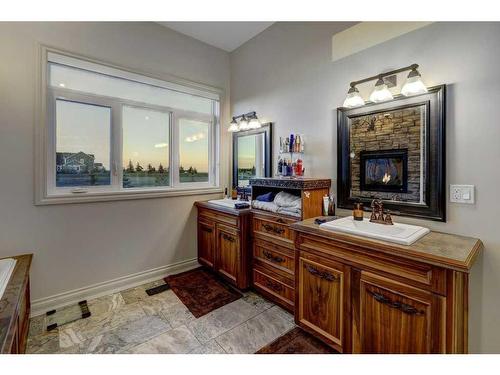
x: 228, y: 252
x: 394, y: 318
x: 322, y: 298
x: 206, y: 243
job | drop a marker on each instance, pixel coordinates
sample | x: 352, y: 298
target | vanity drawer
x: 273, y: 229
x: 422, y: 275
x: 273, y: 255
x: 275, y: 287
x: 210, y: 215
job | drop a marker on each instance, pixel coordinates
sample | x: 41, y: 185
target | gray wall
x: 286, y: 75
x: 78, y: 245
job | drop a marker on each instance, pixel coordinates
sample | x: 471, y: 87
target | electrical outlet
x: 462, y: 194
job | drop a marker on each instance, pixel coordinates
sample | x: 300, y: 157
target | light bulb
x: 353, y: 98
x: 254, y: 123
x: 243, y: 124
x: 380, y: 93
x: 233, y: 126
x: 414, y: 84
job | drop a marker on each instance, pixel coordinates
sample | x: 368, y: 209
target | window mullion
x: 116, y: 147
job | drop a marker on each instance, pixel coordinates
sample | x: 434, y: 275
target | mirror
x: 252, y: 155
x: 394, y: 151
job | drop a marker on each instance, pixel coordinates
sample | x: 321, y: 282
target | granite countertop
x: 11, y: 297
x: 440, y: 249
x: 300, y: 183
x: 227, y: 210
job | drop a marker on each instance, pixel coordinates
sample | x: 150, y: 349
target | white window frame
x: 45, y: 134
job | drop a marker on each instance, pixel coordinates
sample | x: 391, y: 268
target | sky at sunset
x: 82, y: 127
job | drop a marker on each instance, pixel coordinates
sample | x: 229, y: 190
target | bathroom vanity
x: 15, y: 308
x: 363, y: 295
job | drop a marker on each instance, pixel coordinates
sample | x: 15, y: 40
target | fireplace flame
x: 386, y: 178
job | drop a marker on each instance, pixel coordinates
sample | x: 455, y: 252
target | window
x: 111, y: 133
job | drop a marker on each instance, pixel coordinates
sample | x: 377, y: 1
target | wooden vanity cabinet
x: 224, y: 242
x: 367, y: 296
x: 322, y: 290
x: 15, y: 308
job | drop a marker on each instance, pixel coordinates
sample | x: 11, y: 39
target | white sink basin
x: 227, y: 202
x: 402, y: 234
x: 6, y: 268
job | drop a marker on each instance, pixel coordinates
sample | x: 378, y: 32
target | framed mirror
x: 252, y: 155
x: 395, y: 151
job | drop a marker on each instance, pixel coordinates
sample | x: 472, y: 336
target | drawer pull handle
x: 273, y: 258
x: 205, y: 229
x: 274, y: 286
x: 271, y: 228
x: 281, y: 221
x: 228, y: 237
x: 407, y: 309
x: 322, y: 274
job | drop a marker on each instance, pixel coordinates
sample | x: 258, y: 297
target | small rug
x: 201, y: 291
x: 296, y: 341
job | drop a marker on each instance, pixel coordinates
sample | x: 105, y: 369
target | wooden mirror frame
x: 435, y: 172
x: 265, y: 129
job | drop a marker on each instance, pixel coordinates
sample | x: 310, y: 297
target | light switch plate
x: 462, y: 194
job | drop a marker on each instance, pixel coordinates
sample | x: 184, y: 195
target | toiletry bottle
x: 298, y: 171
x: 357, y: 212
x: 326, y: 201
x: 280, y: 166
x: 292, y: 139
x: 297, y: 143
x: 301, y: 144
x: 331, y: 206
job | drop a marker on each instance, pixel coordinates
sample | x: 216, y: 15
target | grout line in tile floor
x: 169, y: 310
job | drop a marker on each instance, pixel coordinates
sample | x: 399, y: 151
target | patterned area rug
x: 201, y: 291
x: 296, y: 341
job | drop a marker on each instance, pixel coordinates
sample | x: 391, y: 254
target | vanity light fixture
x: 248, y: 121
x: 233, y: 126
x: 413, y: 86
x: 353, y: 98
x: 381, y: 92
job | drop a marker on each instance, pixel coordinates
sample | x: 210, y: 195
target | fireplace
x: 384, y: 170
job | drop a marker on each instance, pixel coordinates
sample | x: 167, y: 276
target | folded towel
x: 268, y: 197
x: 266, y: 206
x: 284, y: 199
x: 297, y: 212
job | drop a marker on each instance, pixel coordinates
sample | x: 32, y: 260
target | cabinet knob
x: 227, y: 237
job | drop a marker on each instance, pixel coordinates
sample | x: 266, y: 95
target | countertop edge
x: 389, y: 248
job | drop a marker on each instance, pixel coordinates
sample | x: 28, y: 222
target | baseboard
x: 42, y: 305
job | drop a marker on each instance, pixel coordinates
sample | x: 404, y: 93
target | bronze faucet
x: 378, y: 215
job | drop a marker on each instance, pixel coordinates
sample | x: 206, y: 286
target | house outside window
x: 108, y: 133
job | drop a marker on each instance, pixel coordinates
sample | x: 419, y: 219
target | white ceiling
x: 225, y: 35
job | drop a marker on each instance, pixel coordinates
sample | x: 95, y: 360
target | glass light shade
x: 244, y: 124
x: 233, y: 127
x: 254, y: 124
x: 380, y: 93
x: 353, y: 99
x: 413, y: 85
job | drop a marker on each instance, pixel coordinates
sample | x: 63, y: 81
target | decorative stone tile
x: 257, y: 332
x: 37, y: 326
x: 106, y: 304
x: 211, y: 347
x: 77, y: 332
x: 170, y: 307
x: 45, y: 343
x: 138, y: 293
x: 222, y: 320
x: 176, y: 341
x: 257, y: 301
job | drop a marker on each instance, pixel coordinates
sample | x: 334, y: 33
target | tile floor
x: 133, y: 322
